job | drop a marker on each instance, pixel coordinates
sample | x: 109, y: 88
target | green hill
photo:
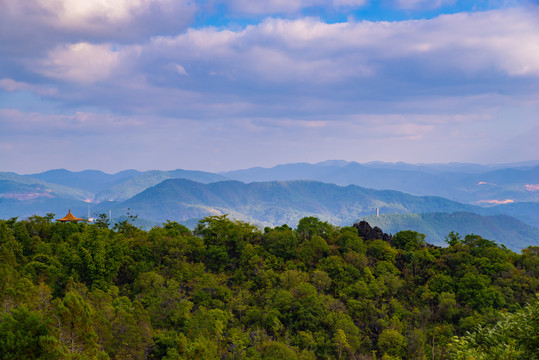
x: 503, y: 229
x: 285, y: 202
x: 277, y: 202
x: 527, y: 212
x: 228, y: 290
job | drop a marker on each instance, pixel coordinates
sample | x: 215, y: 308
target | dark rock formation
x: 369, y: 233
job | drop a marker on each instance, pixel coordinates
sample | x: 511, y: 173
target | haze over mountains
x: 336, y: 191
x: 466, y: 183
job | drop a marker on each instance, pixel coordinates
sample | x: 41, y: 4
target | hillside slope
x: 277, y: 202
x: 503, y: 229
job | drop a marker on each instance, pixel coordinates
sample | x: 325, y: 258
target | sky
x: 219, y: 85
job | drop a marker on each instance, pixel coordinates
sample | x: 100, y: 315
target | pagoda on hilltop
x: 70, y: 218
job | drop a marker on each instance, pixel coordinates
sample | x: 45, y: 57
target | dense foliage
x: 230, y: 291
x: 514, y: 337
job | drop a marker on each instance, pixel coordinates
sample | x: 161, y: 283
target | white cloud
x: 311, y: 51
x: 11, y: 85
x: 304, y: 66
x: 16, y: 122
x: 74, y: 12
x: 120, y: 20
x: 181, y: 70
x: 298, y: 86
x: 80, y: 62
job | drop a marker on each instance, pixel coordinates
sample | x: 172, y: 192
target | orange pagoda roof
x: 70, y: 217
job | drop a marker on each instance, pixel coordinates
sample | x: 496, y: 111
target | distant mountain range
x: 122, y: 185
x: 142, y: 181
x: 13, y: 186
x: 93, y: 181
x: 336, y: 191
x: 465, y: 183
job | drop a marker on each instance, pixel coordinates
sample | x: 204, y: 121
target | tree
x: 475, y: 291
x: 131, y: 329
x: 102, y: 221
x: 381, y: 250
x: 453, y: 239
x: 281, y: 243
x: 225, y: 236
x: 75, y: 324
x: 24, y: 335
x: 175, y: 229
x: 515, y: 337
x: 339, y: 339
x: 277, y: 350
x: 349, y: 240
x: 313, y: 249
x: 311, y: 226
x: 408, y: 240
x: 393, y: 343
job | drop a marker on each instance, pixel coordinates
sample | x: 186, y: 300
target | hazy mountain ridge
x: 466, y: 183
x: 99, y: 186
x: 254, y: 201
x: 89, y: 180
x: 142, y: 181
x: 527, y: 212
x: 12, y: 183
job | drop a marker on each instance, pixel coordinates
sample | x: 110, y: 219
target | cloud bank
x: 285, y: 82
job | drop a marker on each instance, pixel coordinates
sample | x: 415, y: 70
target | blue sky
x: 220, y: 85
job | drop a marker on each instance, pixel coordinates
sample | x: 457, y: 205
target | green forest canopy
x: 228, y: 290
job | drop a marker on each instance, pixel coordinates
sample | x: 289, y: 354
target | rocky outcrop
x: 367, y: 232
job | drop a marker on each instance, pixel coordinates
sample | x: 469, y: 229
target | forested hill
x: 277, y: 202
x: 502, y: 228
x: 285, y: 202
x: 230, y: 291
